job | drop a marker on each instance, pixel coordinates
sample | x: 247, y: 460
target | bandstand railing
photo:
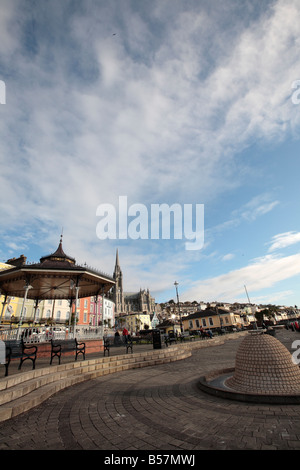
x: 45, y: 334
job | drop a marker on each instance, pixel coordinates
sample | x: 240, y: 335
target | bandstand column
x: 96, y: 308
x: 3, y: 306
x: 37, y: 301
x: 76, y: 301
x: 27, y: 288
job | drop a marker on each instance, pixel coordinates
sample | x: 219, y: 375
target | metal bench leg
x: 57, y: 355
x: 23, y: 359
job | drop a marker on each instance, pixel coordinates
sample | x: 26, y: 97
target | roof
x: 57, y: 258
x: 55, y: 277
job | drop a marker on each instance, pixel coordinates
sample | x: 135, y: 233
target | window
x: 197, y: 323
x: 211, y: 323
x: 204, y: 322
x: 190, y: 323
x: 58, y: 313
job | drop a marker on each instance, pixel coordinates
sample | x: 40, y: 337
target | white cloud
x: 157, y: 112
x: 263, y: 273
x: 276, y: 298
x: 283, y: 240
x: 228, y: 257
x: 257, y: 207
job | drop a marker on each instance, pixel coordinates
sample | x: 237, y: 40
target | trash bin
x: 156, y: 339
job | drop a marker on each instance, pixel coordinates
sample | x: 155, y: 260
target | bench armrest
x: 79, y: 344
x: 55, y: 347
x: 25, y: 346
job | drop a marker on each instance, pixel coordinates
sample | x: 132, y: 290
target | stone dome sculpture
x: 264, y: 372
x: 264, y: 366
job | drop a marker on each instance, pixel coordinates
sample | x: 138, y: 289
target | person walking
x: 125, y: 335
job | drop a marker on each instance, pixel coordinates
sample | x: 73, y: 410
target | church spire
x: 118, y: 296
x: 117, y: 258
x: 117, y: 271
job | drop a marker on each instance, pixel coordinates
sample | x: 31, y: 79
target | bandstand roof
x: 56, y: 276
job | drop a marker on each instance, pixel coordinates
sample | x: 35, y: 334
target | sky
x: 194, y: 103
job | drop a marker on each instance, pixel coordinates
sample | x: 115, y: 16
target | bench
x: 17, y: 349
x: 187, y: 336
x: 170, y: 340
x: 107, y: 345
x: 58, y: 346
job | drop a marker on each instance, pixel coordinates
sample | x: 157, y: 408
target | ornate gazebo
x: 56, y: 276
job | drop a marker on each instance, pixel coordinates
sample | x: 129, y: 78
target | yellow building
x: 10, y: 306
x: 134, y: 322
x: 211, y: 319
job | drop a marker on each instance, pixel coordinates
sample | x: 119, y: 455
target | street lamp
x: 176, y: 287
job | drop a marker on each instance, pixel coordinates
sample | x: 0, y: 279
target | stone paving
x: 156, y: 409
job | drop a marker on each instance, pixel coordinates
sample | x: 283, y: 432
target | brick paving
x: 156, y: 408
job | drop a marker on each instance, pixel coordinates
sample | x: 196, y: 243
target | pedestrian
x: 117, y: 338
x: 125, y: 335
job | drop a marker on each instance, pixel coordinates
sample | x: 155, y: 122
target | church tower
x: 118, y: 295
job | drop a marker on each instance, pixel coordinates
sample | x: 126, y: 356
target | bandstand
x: 56, y: 276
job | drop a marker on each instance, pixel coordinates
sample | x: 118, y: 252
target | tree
x: 268, y: 312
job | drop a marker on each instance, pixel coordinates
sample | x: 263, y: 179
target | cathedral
x: 130, y: 302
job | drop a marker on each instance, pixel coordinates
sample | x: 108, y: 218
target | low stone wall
x: 92, y: 346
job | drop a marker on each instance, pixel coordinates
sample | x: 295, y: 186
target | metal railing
x: 45, y: 334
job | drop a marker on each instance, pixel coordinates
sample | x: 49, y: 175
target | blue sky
x: 162, y: 102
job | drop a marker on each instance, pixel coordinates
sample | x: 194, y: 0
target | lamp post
x: 252, y: 308
x: 176, y: 287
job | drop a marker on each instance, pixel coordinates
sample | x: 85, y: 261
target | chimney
x: 17, y: 261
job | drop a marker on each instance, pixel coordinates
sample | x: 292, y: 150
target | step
x: 24, y: 391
